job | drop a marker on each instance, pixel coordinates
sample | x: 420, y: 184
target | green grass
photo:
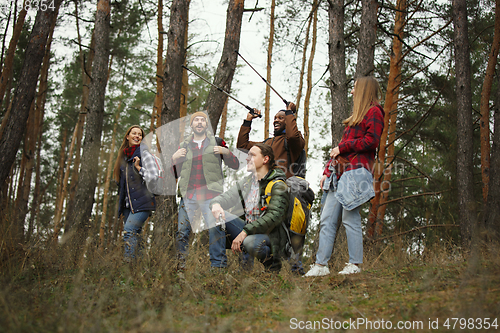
x: 107, y: 295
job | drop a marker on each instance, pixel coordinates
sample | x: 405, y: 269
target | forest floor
x: 392, y: 293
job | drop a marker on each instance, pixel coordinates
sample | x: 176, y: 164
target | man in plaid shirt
x: 198, y: 164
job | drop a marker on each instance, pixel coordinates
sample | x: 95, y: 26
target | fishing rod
x: 284, y: 100
x: 252, y: 111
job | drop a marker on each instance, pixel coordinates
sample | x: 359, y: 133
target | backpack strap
x: 267, y: 191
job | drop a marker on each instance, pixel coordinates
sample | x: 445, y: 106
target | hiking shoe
x: 318, y: 270
x: 350, y: 269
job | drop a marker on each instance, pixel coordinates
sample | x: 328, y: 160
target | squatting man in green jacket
x: 262, y: 234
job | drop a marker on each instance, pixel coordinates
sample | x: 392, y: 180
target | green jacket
x: 270, y: 222
x: 211, y: 166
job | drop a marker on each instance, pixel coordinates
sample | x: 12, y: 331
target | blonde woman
x: 348, y: 177
x: 133, y: 168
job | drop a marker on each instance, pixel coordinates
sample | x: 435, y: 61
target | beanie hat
x: 197, y: 114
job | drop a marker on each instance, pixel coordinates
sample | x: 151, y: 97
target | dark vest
x: 139, y: 198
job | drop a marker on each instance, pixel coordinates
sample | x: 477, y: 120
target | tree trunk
x: 267, y: 106
x: 485, y: 104
x: 70, y: 200
x: 492, y: 208
x: 5, y: 36
x: 34, y: 126
x: 9, y: 58
x: 303, y: 64
x: 61, y: 181
x: 227, y: 64
x: 108, y: 179
x: 382, y: 173
x: 338, y: 78
x: 155, y: 116
x: 309, y: 75
x: 368, y: 36
x: 465, y: 180
x: 165, y: 217
x: 223, y: 122
x: 25, y: 90
x: 91, y: 146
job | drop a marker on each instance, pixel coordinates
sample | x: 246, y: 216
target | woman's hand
x: 217, y: 211
x: 136, y: 161
x: 322, y: 181
x: 335, y: 152
x: 236, y: 246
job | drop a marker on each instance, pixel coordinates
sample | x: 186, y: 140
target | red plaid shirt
x: 197, y: 183
x: 359, y: 143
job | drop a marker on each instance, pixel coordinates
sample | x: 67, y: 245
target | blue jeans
x: 351, y: 219
x: 132, y: 229
x: 217, y: 246
x: 257, y: 246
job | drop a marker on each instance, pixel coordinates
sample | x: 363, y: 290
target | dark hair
x: 267, y: 150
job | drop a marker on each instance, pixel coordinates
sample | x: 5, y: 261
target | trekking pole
x: 252, y: 111
x: 284, y: 100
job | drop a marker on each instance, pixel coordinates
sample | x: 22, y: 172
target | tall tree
x: 227, y: 64
x: 386, y: 149
x: 307, y: 99
x: 91, y: 146
x: 9, y: 59
x: 34, y: 121
x: 25, y: 90
x: 338, y: 78
x: 465, y: 180
x: 270, y: 43
x: 367, y: 36
x: 492, y: 208
x: 485, y: 103
x: 170, y: 110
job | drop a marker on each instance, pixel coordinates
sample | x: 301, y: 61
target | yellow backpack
x: 301, y: 197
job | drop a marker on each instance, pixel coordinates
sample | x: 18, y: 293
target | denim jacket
x: 354, y: 188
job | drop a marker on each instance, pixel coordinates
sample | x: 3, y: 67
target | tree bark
x: 107, y: 181
x: 492, y: 208
x: 165, y: 218
x: 485, y: 104
x: 227, y: 64
x: 367, y: 37
x: 25, y: 90
x: 70, y: 200
x: 267, y: 105
x: 309, y: 74
x: 9, y: 58
x: 465, y: 180
x: 155, y: 116
x: 91, y: 146
x: 338, y: 78
x: 303, y: 63
x: 34, y: 126
x: 383, y: 173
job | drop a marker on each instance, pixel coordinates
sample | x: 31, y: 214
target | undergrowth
x: 41, y: 292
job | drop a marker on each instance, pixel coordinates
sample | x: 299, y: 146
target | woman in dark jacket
x: 262, y: 234
x: 136, y: 203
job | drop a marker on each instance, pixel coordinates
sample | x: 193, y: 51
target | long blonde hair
x: 119, y: 158
x: 366, y: 93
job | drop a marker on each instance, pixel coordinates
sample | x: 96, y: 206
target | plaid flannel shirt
x: 151, y: 167
x: 197, y: 183
x: 359, y: 143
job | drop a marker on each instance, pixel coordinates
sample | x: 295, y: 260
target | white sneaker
x: 350, y: 269
x: 318, y: 270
